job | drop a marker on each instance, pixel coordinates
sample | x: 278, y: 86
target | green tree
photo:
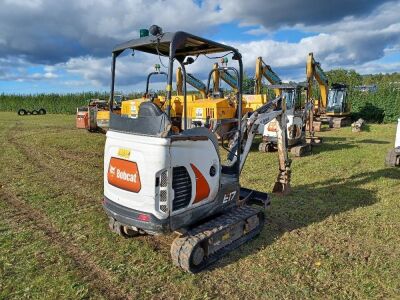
x: 349, y: 77
x: 248, y: 84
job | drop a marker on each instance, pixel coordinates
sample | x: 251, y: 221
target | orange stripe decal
x: 202, y: 187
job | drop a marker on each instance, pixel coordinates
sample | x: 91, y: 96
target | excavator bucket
x: 282, y: 185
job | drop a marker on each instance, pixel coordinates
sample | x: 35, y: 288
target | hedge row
x: 380, y: 106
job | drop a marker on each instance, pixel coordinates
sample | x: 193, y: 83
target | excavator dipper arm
x: 275, y: 109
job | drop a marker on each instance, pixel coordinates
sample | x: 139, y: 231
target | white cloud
x: 352, y: 43
x: 76, y: 37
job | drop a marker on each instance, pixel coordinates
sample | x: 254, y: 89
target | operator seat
x: 149, y: 109
x: 154, y: 117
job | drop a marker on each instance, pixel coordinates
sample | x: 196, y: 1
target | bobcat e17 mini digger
x: 158, y: 180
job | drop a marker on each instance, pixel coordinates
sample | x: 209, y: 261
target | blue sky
x: 65, y: 47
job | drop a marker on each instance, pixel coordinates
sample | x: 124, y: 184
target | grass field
x: 336, y: 235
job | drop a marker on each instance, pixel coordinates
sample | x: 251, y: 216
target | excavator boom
x: 264, y: 70
x: 314, y: 70
x: 190, y: 79
x: 225, y: 76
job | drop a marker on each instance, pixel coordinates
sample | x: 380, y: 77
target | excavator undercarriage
x: 393, y: 157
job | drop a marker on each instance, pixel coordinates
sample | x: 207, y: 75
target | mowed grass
x: 336, y: 235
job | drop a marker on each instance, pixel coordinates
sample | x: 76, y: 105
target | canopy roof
x: 179, y: 43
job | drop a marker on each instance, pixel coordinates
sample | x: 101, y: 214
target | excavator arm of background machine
x: 314, y: 70
x: 227, y: 77
x: 179, y: 81
x: 264, y: 70
x: 190, y: 79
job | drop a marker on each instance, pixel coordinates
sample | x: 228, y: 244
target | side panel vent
x: 163, y: 200
x: 164, y: 179
x: 182, y: 185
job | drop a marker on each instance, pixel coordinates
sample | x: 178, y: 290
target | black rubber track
x: 392, y: 158
x: 183, y: 247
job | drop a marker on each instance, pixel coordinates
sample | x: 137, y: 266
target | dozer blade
x: 208, y: 242
x: 249, y: 196
x: 266, y: 147
x: 340, y: 122
x: 301, y: 150
x: 314, y: 140
x: 393, y: 158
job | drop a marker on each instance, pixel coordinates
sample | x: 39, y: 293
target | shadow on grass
x: 366, y: 128
x: 328, y: 144
x: 312, y: 203
x: 334, y: 144
x: 370, y: 141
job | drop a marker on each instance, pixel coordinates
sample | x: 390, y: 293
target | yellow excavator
x: 191, y: 80
x: 264, y: 70
x: 224, y: 75
x: 332, y: 106
x: 216, y: 110
x: 130, y: 108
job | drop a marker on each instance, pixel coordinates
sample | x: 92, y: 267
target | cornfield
x: 380, y: 106
x: 52, y: 103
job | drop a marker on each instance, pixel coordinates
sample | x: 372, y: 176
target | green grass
x: 335, y: 236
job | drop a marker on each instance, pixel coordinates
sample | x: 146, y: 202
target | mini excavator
x: 157, y: 180
x: 298, y: 116
x: 130, y: 108
x: 333, y: 106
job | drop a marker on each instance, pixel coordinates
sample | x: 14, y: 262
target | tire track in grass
x: 159, y: 244
x: 20, y: 212
x: 38, y: 160
x: 65, y: 181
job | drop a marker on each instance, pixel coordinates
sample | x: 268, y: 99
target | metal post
x: 112, y: 81
x: 239, y: 115
x: 184, y: 98
x: 169, y: 84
